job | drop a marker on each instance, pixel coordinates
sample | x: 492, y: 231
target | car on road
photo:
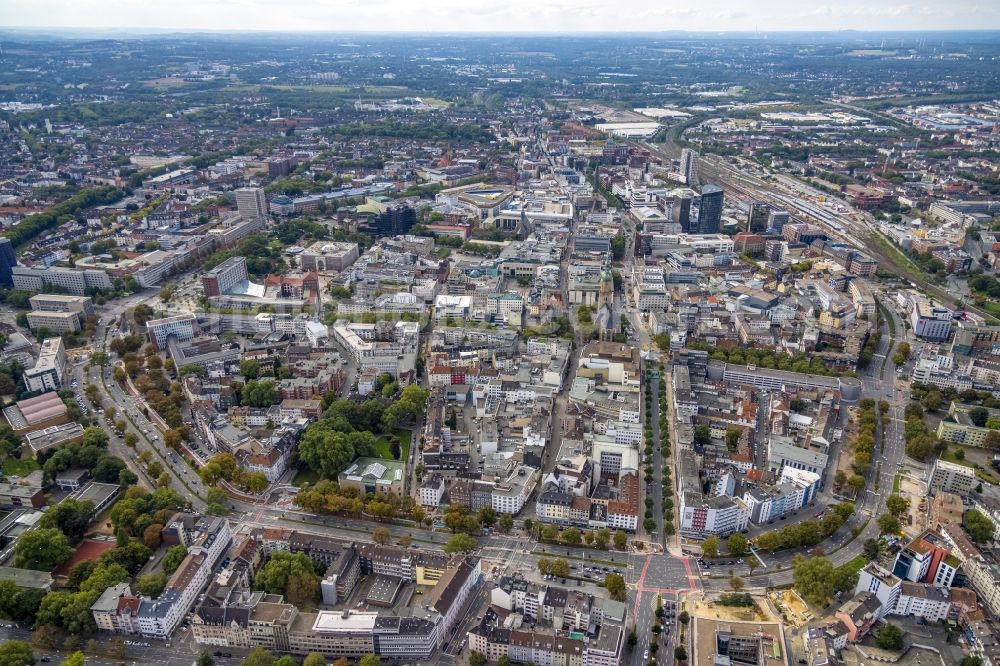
x: 645, y: 655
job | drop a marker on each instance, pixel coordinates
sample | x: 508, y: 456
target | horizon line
x: 384, y: 31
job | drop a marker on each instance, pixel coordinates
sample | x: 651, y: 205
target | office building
x: 56, y: 322
x: 703, y: 515
x: 783, y: 451
x: 8, y: 259
x: 777, y: 220
x: 710, y: 210
x: 75, y: 281
x: 328, y: 256
x: 679, y: 210
x: 849, y: 387
x: 47, y: 375
x: 882, y: 585
x: 82, y: 305
x: 395, y: 221
x: 963, y: 433
x: 951, y: 478
x: 927, y: 559
x: 181, y: 326
x: 758, y: 217
x: 221, y: 279
x: 930, y: 321
x: 251, y: 203
x: 342, y: 575
x: 689, y: 167
x: 58, y: 313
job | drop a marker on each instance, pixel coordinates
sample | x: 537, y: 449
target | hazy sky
x: 504, y: 15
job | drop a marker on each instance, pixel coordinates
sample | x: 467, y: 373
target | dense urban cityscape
x: 565, y: 350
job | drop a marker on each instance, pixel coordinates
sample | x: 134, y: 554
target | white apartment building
x: 57, y: 322
x: 903, y: 597
x: 882, y: 584
x: 511, y: 495
x: 432, y: 491
x: 449, y: 595
x: 920, y: 600
x: 73, y: 280
x: 984, y: 577
x: 929, y: 321
x: 951, y: 477
x: 702, y: 515
x: 251, y: 203
x: 47, y: 375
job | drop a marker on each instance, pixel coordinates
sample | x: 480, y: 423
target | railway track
x: 844, y: 228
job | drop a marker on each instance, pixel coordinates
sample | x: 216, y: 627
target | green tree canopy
x: 979, y: 527
x: 736, y: 544
x: 888, y: 524
x: 259, y: 656
x: 173, y: 558
x: 294, y: 575
x: 259, y: 393
x: 42, y: 549
x: 890, y: 637
x: 16, y: 653
x: 70, y: 516
x: 329, y: 451
x: 814, y: 579
x: 460, y: 543
x: 615, y: 585
x: 152, y: 585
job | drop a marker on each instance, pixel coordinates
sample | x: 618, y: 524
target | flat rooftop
x: 39, y: 440
x: 97, y: 493
x: 344, y: 622
x: 384, y: 590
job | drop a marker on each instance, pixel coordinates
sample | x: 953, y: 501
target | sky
x: 550, y: 16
